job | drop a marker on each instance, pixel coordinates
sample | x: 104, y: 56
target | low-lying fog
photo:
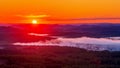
x: 97, y: 44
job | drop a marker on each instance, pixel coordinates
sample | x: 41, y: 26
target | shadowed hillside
x: 56, y: 57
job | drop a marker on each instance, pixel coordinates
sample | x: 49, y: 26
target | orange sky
x: 13, y: 11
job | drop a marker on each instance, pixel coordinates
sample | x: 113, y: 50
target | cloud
x: 33, y: 16
x: 77, y: 19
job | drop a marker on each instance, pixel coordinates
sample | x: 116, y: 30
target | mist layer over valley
x: 96, y: 37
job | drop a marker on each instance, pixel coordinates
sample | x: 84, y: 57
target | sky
x: 59, y: 11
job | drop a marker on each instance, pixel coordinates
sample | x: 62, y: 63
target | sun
x: 34, y: 22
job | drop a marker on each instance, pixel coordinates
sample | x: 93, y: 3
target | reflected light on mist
x: 35, y: 34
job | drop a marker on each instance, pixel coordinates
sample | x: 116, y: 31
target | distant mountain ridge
x: 67, y: 30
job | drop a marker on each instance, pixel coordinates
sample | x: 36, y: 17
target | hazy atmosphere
x: 59, y: 34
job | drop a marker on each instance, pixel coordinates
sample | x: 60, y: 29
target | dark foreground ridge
x: 56, y: 57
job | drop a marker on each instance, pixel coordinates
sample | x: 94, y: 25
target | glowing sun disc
x: 34, y: 22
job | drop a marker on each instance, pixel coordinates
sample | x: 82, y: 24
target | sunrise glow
x: 57, y: 12
x: 34, y: 22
